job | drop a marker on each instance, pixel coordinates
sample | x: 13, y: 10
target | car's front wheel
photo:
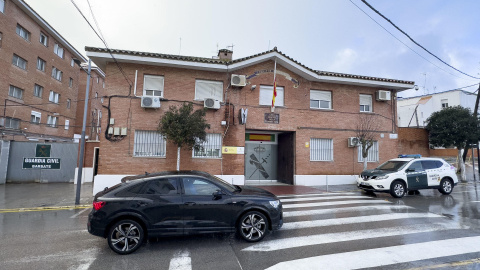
x: 252, y: 226
x: 446, y: 186
x: 397, y: 189
x: 125, y: 236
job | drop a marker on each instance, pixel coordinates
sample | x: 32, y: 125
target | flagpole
x: 274, y: 86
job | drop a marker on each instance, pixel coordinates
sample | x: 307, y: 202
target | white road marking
x: 385, y: 256
x: 344, y: 210
x: 347, y: 236
x: 352, y: 220
x: 316, y: 194
x: 366, y: 201
x: 181, y: 261
x: 79, y: 213
x: 322, y: 198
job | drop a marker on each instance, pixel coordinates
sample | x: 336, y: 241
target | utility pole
x: 475, y: 113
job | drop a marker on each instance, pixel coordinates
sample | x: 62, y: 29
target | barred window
x: 321, y: 149
x: 211, y: 148
x: 372, y: 153
x: 149, y: 143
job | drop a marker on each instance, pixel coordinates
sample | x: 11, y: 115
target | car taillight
x: 98, y: 205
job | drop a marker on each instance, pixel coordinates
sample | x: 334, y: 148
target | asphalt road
x: 347, y: 229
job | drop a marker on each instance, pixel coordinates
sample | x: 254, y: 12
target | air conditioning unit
x: 211, y: 103
x: 352, y: 141
x: 150, y: 102
x: 238, y: 80
x: 383, y: 95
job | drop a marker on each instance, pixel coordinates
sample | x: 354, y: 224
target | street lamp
x: 82, y: 139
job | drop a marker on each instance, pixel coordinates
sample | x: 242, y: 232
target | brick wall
x: 413, y: 141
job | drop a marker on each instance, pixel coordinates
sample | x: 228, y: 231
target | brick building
x: 303, y: 142
x: 38, y: 80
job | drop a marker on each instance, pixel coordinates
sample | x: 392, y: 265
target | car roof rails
x: 410, y: 156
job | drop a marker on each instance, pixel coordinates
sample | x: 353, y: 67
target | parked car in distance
x: 399, y: 175
x: 180, y: 203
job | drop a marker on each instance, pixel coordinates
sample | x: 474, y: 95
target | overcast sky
x: 322, y: 34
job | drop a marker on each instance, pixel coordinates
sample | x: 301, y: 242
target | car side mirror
x: 217, y: 194
x: 410, y: 170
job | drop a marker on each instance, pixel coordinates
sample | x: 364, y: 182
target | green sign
x: 41, y: 163
x: 43, y: 150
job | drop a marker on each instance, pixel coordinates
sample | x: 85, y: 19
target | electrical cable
x: 415, y: 42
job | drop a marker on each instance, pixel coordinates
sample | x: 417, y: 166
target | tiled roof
x: 229, y: 62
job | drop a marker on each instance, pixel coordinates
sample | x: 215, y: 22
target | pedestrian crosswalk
x: 316, y: 226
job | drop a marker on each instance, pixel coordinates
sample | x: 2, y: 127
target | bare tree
x: 366, y: 132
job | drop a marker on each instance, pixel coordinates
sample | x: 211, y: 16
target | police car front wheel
x: 446, y: 186
x: 397, y: 190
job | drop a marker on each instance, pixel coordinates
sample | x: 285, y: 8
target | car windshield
x: 392, y: 166
x: 224, y: 184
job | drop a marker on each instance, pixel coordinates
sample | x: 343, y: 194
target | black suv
x: 178, y: 203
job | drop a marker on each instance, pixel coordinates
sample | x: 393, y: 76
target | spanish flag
x: 274, y: 86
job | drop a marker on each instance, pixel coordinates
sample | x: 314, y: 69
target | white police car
x: 399, y: 175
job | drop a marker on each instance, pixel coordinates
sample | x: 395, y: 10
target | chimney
x: 225, y: 55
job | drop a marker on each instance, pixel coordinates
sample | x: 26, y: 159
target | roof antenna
x: 231, y: 46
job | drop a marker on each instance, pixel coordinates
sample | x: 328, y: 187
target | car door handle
x: 190, y: 203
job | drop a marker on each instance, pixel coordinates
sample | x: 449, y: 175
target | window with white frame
x: 52, y: 121
x: 444, y: 103
x: 211, y: 148
x: 69, y: 103
x: 43, y: 39
x: 153, y: 85
x: 41, y: 64
x: 38, y: 90
x: 15, y: 92
x: 321, y: 149
x: 149, y: 143
x: 2, y: 6
x: 57, y: 74
x: 365, y: 103
x: 23, y: 32
x: 70, y: 83
x: 54, y: 97
x: 372, y: 153
x: 320, y: 99
x: 67, y: 124
x: 266, y: 95
x: 12, y: 123
x: 58, y: 50
x: 19, y: 62
x: 35, y: 117
x: 208, y: 89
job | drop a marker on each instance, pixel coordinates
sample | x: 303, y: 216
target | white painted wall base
x: 87, y: 175
x: 321, y: 180
x: 106, y: 180
x: 233, y: 179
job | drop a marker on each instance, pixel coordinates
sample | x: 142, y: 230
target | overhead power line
x: 415, y: 42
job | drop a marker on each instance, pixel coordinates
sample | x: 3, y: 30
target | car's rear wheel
x: 397, y: 189
x: 125, y: 236
x: 446, y: 186
x: 252, y: 226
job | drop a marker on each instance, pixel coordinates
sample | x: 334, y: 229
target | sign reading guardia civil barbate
x: 42, y: 159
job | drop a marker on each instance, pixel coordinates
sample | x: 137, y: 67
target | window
x: 35, y: 117
x: 149, y: 143
x: 19, y: 62
x: 2, y: 6
x: 195, y: 186
x: 23, y: 32
x: 41, y: 64
x: 57, y: 74
x: 69, y: 102
x: 1, y: 38
x: 444, y: 103
x: 67, y: 124
x: 43, y: 39
x: 97, y: 80
x: 52, y: 121
x: 58, y: 50
x: 54, y: 97
x: 208, y: 89
x: 152, y: 85
x: 72, y: 63
x: 103, y: 83
x: 96, y: 95
x: 15, y: 92
x: 38, y: 90
x: 372, y: 153
x: 266, y: 95
x: 321, y: 149
x: 211, y: 148
x: 164, y: 186
x: 320, y: 99
x: 416, y: 166
x: 12, y: 123
x: 70, y: 83
x: 365, y: 103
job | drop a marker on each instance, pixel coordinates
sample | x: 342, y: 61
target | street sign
x: 41, y: 163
